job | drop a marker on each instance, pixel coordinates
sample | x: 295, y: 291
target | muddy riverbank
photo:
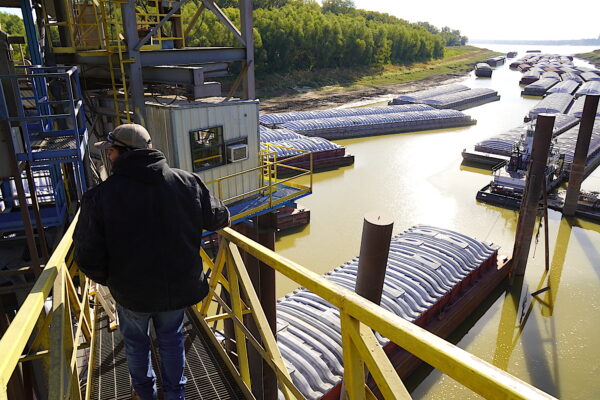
x: 329, y: 97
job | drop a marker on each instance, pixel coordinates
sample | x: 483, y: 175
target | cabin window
x: 208, y: 148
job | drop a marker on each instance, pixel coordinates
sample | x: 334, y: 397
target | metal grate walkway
x: 208, y: 377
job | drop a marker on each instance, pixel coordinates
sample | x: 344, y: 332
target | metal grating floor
x: 208, y: 377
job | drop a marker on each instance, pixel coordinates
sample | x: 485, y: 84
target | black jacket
x: 139, y: 233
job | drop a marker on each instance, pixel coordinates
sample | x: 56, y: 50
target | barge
x: 483, y: 70
x: 590, y: 76
x: 569, y: 86
x: 507, y: 186
x: 286, y: 144
x: 590, y: 87
x: 539, y: 87
x: 415, y: 97
x: 495, y: 61
x: 568, y: 140
x: 490, y: 152
x: 371, y: 125
x: 532, y: 75
x: 576, y: 109
x: 509, y: 181
x: 588, y: 205
x: 571, y: 76
x: 276, y: 120
x: 431, y: 272
x: 463, y: 100
x: 556, y: 103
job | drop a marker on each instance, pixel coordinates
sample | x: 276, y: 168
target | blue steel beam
x: 30, y: 30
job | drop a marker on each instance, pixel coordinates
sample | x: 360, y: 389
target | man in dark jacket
x: 139, y: 233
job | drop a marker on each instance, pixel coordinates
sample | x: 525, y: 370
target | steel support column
x: 248, y: 36
x: 581, y: 151
x: 533, y: 192
x: 11, y: 95
x: 32, y: 36
x: 136, y: 82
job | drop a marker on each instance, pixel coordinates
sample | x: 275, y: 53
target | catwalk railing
x: 55, y: 334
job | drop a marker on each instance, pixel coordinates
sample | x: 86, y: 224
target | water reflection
x: 475, y: 169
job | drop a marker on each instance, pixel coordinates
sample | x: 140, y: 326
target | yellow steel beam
x: 260, y: 318
x: 379, y: 365
x: 236, y: 305
x: 214, y: 280
x: 15, y: 338
x: 222, y: 316
x: 476, y: 374
x: 92, y: 358
x: 354, y: 369
x: 58, y: 381
x: 284, y: 377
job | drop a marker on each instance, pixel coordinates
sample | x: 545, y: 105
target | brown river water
x: 417, y: 178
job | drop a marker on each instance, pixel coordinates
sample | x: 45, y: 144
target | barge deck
x: 431, y: 272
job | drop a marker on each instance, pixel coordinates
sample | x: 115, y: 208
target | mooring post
x: 372, y: 261
x: 586, y: 126
x: 533, y: 192
x: 374, y: 249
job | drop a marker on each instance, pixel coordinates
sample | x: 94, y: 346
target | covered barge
x: 576, y: 109
x: 286, y: 144
x: 591, y: 87
x: 556, y: 103
x: 539, y: 87
x: 430, y: 272
x: 463, y: 100
x: 371, y: 125
x: 498, y: 148
x: 483, y: 70
x: 276, y: 120
x: 569, y: 86
x: 415, y: 97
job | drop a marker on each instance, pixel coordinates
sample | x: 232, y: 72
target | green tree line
x: 13, y: 26
x: 295, y: 34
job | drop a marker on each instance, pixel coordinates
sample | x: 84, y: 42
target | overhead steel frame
x: 138, y: 58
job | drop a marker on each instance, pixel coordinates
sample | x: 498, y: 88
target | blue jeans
x: 134, y: 327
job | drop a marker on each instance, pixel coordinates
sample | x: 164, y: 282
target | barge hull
x: 342, y: 134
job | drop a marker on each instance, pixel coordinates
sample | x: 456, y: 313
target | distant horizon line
x: 590, y: 41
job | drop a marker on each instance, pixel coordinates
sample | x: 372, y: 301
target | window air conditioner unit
x: 237, y: 152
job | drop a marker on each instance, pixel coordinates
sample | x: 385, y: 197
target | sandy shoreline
x: 339, y: 96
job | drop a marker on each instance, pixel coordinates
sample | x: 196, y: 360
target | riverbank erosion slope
x: 318, y: 89
x: 593, y: 57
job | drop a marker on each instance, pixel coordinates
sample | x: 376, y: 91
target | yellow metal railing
x: 269, y: 181
x: 359, y: 318
x: 55, y: 336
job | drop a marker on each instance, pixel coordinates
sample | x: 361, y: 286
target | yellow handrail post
x: 236, y: 305
x: 354, y: 369
x: 259, y: 316
x: 311, y: 170
x: 58, y: 380
x: 270, y: 187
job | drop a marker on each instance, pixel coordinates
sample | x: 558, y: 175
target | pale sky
x: 500, y: 19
